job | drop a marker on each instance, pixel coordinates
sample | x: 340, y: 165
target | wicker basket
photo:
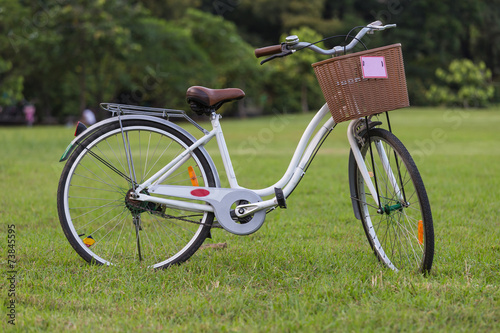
x: 351, y: 95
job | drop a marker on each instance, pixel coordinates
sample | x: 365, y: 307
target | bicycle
x: 137, y: 186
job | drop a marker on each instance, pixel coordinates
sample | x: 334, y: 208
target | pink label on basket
x: 373, y: 67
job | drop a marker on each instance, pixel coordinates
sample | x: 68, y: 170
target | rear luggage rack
x: 124, y: 109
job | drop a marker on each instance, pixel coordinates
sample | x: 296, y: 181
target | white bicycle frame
x: 296, y: 169
x: 302, y: 155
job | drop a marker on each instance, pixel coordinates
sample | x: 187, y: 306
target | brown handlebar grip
x: 268, y: 50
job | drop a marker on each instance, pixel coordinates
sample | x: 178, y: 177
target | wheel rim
x: 96, y: 211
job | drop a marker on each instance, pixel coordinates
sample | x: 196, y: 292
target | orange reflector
x: 420, y: 232
x: 89, y: 241
x: 370, y: 174
x: 192, y: 175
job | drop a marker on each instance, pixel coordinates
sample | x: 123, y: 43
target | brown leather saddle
x: 205, y: 100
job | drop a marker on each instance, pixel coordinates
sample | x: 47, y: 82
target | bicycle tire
x: 400, y: 232
x: 92, y: 189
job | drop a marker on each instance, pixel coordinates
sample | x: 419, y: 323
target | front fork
x: 356, y: 152
x: 359, y: 160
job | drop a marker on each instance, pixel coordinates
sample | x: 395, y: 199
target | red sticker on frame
x: 200, y: 192
x: 373, y: 67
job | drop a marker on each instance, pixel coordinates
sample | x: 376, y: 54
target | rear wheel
x: 100, y: 221
x: 400, y: 230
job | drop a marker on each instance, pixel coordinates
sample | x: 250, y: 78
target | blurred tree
x: 264, y: 21
x: 434, y: 33
x: 11, y: 84
x: 231, y: 57
x: 486, y: 36
x: 464, y: 83
x: 11, y: 73
x: 169, y: 62
x: 294, y: 78
x: 79, y: 52
x: 259, y: 21
x: 169, y: 9
x: 65, y: 55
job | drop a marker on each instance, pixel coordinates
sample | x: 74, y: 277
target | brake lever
x: 284, y: 52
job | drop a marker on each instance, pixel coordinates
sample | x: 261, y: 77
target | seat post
x: 221, y: 142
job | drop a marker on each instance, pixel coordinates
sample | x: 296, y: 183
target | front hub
x: 389, y: 209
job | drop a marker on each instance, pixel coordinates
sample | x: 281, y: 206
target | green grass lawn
x: 309, y: 268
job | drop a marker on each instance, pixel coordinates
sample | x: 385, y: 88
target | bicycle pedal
x: 280, y: 197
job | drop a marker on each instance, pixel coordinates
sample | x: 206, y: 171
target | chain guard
x: 222, y: 201
x: 138, y: 207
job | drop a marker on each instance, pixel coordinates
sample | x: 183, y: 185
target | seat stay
x: 171, y: 167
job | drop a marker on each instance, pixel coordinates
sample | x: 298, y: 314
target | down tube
x: 309, y: 155
x: 299, y: 154
x: 298, y: 173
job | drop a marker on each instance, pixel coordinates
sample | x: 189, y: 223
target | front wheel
x: 400, y: 230
x: 100, y: 220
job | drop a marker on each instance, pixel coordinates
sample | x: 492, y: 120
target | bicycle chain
x: 132, y: 203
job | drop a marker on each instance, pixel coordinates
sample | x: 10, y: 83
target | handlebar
x: 268, y: 50
x: 292, y: 44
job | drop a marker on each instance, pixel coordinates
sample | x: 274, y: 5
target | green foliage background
x: 65, y: 55
x: 466, y: 84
